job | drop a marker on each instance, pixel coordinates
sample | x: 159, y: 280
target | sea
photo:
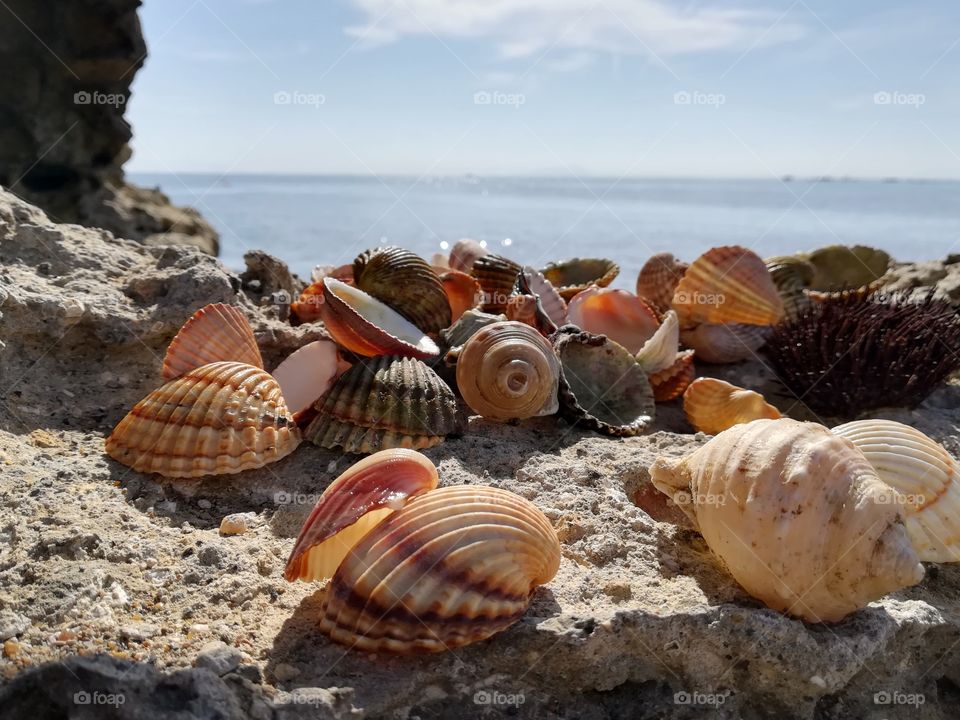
x: 328, y: 220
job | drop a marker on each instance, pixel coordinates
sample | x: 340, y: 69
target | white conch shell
x: 660, y: 351
x: 925, y: 476
x: 798, y: 516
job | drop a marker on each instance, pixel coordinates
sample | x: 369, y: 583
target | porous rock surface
x: 115, y: 584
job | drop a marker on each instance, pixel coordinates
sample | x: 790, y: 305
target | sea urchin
x: 853, y: 352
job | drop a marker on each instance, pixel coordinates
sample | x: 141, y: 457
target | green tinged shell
x: 842, y: 267
x: 386, y: 402
x: 406, y: 282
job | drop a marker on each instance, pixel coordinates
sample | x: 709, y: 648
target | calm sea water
x: 327, y: 220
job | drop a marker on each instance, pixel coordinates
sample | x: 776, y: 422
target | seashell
x: 497, y: 276
x: 553, y: 305
x: 925, y: 477
x: 712, y: 406
x: 406, y: 282
x: 437, y: 569
x: 572, y: 276
x: 508, y: 371
x: 386, y: 402
x: 523, y: 309
x: 602, y: 386
x: 307, y: 307
x: 219, y: 418
x: 366, y: 326
x: 727, y: 284
x: 671, y: 382
x: 213, y: 333
x: 463, y: 292
x: 797, y: 515
x: 464, y: 328
x: 440, y: 262
x: 660, y: 351
x: 726, y: 343
x: 343, y: 273
x: 792, y: 275
x: 840, y: 267
x: 658, y: 280
x: 308, y: 373
x: 618, y: 314
x: 526, y: 306
x: 465, y: 253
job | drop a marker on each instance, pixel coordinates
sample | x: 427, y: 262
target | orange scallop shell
x: 658, y: 280
x: 463, y: 292
x: 213, y: 333
x: 620, y: 315
x: 728, y: 284
x: 220, y: 418
x: 671, y: 382
x: 712, y: 406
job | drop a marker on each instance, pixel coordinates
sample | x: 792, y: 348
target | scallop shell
x: 728, y: 284
x: 660, y: 351
x: 343, y: 273
x: 308, y: 373
x: 465, y: 253
x: 792, y: 275
x: 219, y: 418
x: 572, y: 276
x: 658, y: 280
x: 671, y: 382
x: 726, y: 343
x: 618, y: 314
x: 840, y: 267
x: 497, y: 276
x: 406, y: 282
x: 508, y: 371
x: 553, y: 305
x: 307, y: 307
x: 213, y: 333
x: 712, y: 406
x: 354, y: 504
x: 797, y: 515
x: 924, y: 475
x: 386, y: 402
x: 366, y: 326
x: 602, y: 385
x: 463, y: 293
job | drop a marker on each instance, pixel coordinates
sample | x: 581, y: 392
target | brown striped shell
x: 444, y: 568
x: 497, y: 275
x: 406, y: 282
x: 713, y: 405
x: 577, y: 274
x: 386, y: 402
x: 213, y: 333
x: 219, y: 418
x: 671, y: 382
x: 720, y: 344
x: 729, y: 284
x: 658, y: 280
x: 508, y: 371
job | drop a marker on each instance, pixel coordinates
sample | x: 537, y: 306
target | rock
x: 219, y: 658
x: 12, y: 624
x: 237, y: 523
x: 138, y: 632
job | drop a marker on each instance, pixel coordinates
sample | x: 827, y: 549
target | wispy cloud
x: 525, y: 28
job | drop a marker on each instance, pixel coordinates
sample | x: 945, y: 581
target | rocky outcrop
x: 66, y: 67
x: 132, y: 574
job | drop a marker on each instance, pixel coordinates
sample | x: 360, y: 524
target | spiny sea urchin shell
x: 852, y: 353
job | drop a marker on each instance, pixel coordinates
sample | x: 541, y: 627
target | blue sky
x: 746, y: 88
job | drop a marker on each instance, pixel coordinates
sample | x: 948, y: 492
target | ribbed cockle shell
x: 219, y: 418
x: 924, y: 475
x: 621, y: 316
x: 438, y: 569
x: 213, y: 333
x: 571, y: 276
x: 386, y: 402
x: 508, y: 371
x: 368, y: 327
x: 713, y: 405
x: 797, y: 515
x: 553, y: 305
x: 671, y: 382
x: 497, y: 275
x: 658, y: 280
x: 792, y: 275
x: 729, y: 284
x: 721, y: 344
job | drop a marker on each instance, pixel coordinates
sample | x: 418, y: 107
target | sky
x: 647, y: 88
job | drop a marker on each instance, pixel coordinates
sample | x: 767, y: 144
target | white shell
x: 660, y: 351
